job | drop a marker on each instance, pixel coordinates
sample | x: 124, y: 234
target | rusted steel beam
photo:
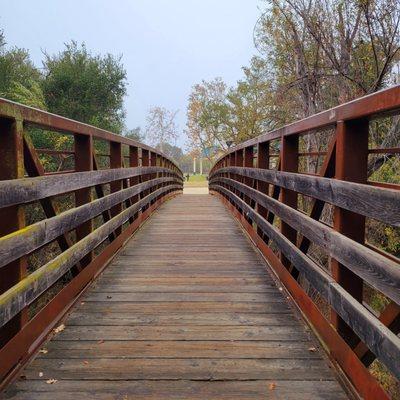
x: 339, y: 351
x: 106, y: 214
x: 289, y: 163
x: 12, y: 218
x: 351, y: 165
x: 134, y: 162
x: 34, y: 167
x: 84, y: 162
x: 116, y: 162
x: 263, y: 187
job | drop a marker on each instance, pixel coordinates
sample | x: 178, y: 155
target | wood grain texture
x: 380, y: 272
x: 28, y: 190
x: 187, y: 310
x: 374, y: 202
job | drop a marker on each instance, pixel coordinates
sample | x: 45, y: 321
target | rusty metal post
x: 351, y: 165
x: 145, y: 177
x: 12, y: 218
x: 115, y: 186
x: 263, y: 187
x: 134, y: 162
x: 248, y: 162
x: 84, y: 162
x: 289, y: 156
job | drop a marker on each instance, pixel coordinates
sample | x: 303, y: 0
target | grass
x: 197, y: 180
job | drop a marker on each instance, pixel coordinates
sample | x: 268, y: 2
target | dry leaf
x: 43, y: 351
x: 82, y: 303
x: 59, y: 328
x: 272, y: 386
x: 100, y: 341
x: 281, y: 289
x: 40, y: 374
x: 86, y: 362
x: 313, y: 349
x: 51, y: 381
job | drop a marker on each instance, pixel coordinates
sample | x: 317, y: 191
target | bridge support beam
x: 84, y: 162
x: 289, y: 163
x: 351, y: 165
x: 12, y: 218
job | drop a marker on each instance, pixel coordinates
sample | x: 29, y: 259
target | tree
x: 88, y: 88
x: 161, y: 127
x: 218, y: 115
x: 19, y: 78
x: 135, y: 134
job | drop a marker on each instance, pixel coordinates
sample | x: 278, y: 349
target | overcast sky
x: 167, y: 46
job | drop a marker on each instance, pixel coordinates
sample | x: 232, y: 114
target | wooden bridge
x: 115, y: 285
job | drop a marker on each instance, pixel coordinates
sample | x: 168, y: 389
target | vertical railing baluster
x: 12, y: 218
x: 84, y: 162
x: 263, y: 187
x: 350, y: 165
x: 289, y: 156
x: 115, y: 186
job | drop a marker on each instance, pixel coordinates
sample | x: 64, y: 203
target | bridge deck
x: 186, y: 310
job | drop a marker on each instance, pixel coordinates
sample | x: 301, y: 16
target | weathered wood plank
x: 28, y: 190
x: 93, y: 349
x: 183, y: 389
x: 172, y: 369
x: 34, y: 236
x: 374, y: 202
x: 288, y: 325
x: 380, y: 272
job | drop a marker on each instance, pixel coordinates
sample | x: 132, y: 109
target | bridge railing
x: 59, y: 227
x: 303, y: 194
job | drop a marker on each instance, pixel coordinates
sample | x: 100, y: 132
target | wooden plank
x: 34, y: 236
x: 285, y: 326
x: 380, y: 272
x: 374, y: 202
x: 182, y: 389
x: 194, y: 369
x: 28, y: 190
x: 112, y: 349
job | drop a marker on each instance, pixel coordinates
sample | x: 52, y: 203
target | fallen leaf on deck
x: 313, y: 349
x: 40, y: 374
x: 272, y: 386
x: 100, y: 341
x: 43, y: 351
x: 51, y: 381
x: 86, y: 362
x: 59, y: 328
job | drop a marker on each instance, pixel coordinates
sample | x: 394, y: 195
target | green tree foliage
x: 88, y: 88
x: 19, y: 78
